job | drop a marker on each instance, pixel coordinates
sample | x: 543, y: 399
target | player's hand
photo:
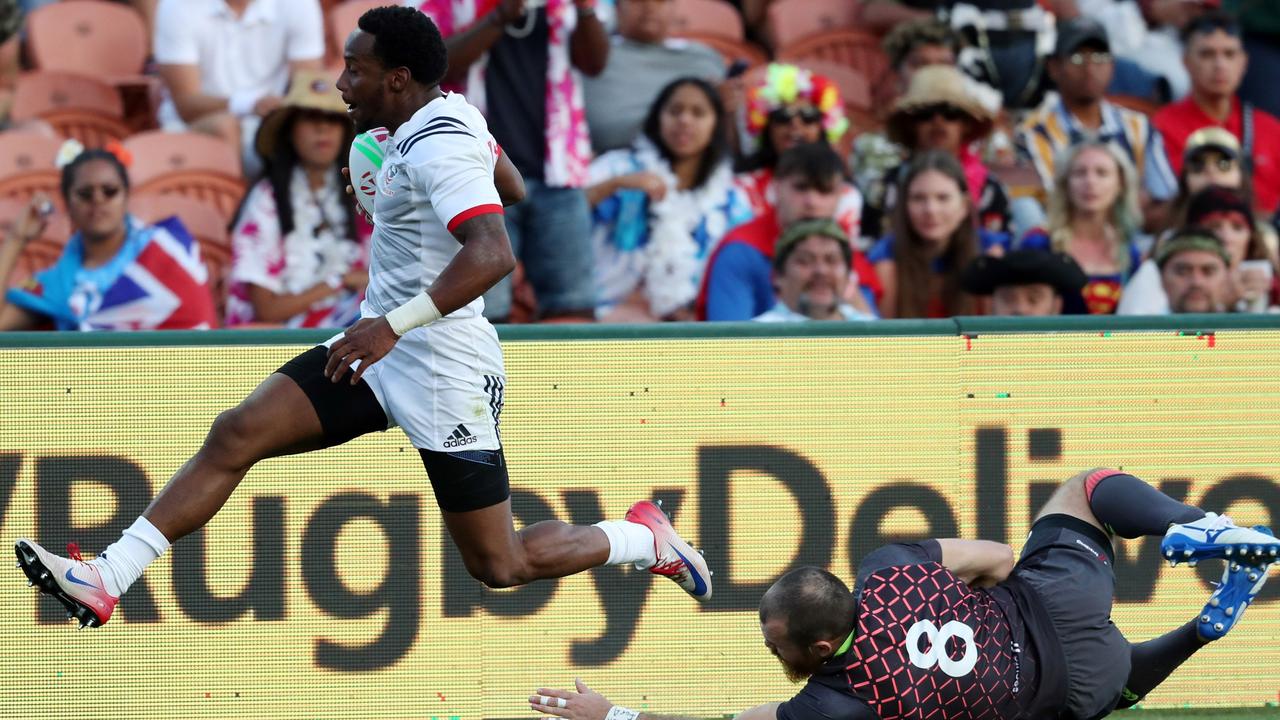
x: 346, y: 173
x: 585, y: 704
x: 368, y: 341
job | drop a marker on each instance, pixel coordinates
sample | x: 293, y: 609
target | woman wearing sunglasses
x: 792, y: 107
x: 115, y: 273
x: 939, y: 113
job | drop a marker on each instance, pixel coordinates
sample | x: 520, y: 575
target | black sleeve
x: 820, y: 702
x: 897, y: 555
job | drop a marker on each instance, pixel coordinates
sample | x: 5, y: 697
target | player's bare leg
x: 500, y: 556
x: 275, y: 419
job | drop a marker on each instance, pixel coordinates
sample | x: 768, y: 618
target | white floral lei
x: 672, y: 267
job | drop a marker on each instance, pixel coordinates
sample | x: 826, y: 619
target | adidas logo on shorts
x: 459, y: 437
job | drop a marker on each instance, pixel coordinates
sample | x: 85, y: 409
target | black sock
x: 1154, y: 660
x: 1131, y: 508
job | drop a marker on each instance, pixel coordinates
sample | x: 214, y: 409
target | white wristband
x: 617, y: 712
x: 419, y: 311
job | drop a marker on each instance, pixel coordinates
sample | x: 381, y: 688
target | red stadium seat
x: 27, y: 166
x: 732, y: 50
x: 854, y: 49
x: 88, y: 36
x: 190, y: 164
x: 793, y: 20
x: 704, y: 18
x: 42, y: 91
x: 341, y: 20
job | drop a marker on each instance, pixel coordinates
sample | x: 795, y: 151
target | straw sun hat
x: 310, y: 90
x: 937, y: 85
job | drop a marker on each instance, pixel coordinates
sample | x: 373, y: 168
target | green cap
x: 1192, y: 238
x: 801, y: 229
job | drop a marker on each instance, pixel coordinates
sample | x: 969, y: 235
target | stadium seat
x: 341, y: 20
x: 97, y: 38
x: 854, y: 49
x: 732, y: 50
x: 206, y: 223
x: 76, y: 106
x: 27, y: 166
x: 792, y: 20
x: 189, y: 164
x: 702, y: 18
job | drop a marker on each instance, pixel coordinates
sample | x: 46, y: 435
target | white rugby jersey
x: 437, y: 173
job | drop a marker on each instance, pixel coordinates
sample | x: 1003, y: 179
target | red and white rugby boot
x: 74, y: 583
x: 676, y: 558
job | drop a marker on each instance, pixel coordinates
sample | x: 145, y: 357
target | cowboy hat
x: 935, y: 85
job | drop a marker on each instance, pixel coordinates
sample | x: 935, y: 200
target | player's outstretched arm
x: 587, y: 704
x: 980, y: 563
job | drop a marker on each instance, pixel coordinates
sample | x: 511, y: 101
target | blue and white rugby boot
x: 1215, y: 536
x: 1240, y: 584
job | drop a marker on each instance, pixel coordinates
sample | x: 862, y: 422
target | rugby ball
x: 367, y: 152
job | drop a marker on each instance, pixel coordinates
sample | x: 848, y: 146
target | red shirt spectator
x: 1216, y: 60
x: 1178, y: 120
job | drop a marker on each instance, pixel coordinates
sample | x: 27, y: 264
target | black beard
x: 806, y: 307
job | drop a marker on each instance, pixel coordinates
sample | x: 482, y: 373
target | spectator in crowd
x: 910, y: 47
x: 934, y: 236
x: 1093, y: 217
x: 1216, y: 60
x: 1212, y: 157
x: 809, y: 181
x: 1260, y: 20
x: 1252, y: 268
x: 938, y: 113
x: 810, y: 272
x: 115, y: 273
x: 1081, y: 68
x: 792, y: 107
x: 662, y: 205
x: 643, y: 59
x: 1006, y: 38
x: 1145, y: 34
x: 1024, y: 282
x: 299, y: 255
x: 226, y: 63
x: 521, y: 62
x: 1193, y: 271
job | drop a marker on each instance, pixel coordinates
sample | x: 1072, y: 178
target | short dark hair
x: 816, y: 162
x: 1210, y: 23
x: 906, y: 37
x: 69, y: 170
x: 404, y: 37
x: 816, y: 604
x: 716, y: 150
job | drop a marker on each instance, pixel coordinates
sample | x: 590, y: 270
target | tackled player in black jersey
x: 957, y: 630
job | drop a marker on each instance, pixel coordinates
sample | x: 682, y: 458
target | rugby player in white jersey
x: 421, y: 357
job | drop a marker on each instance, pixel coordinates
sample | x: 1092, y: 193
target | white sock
x: 629, y: 543
x: 124, y: 560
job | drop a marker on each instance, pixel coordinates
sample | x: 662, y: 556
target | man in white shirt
x: 226, y: 63
x: 422, y: 357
